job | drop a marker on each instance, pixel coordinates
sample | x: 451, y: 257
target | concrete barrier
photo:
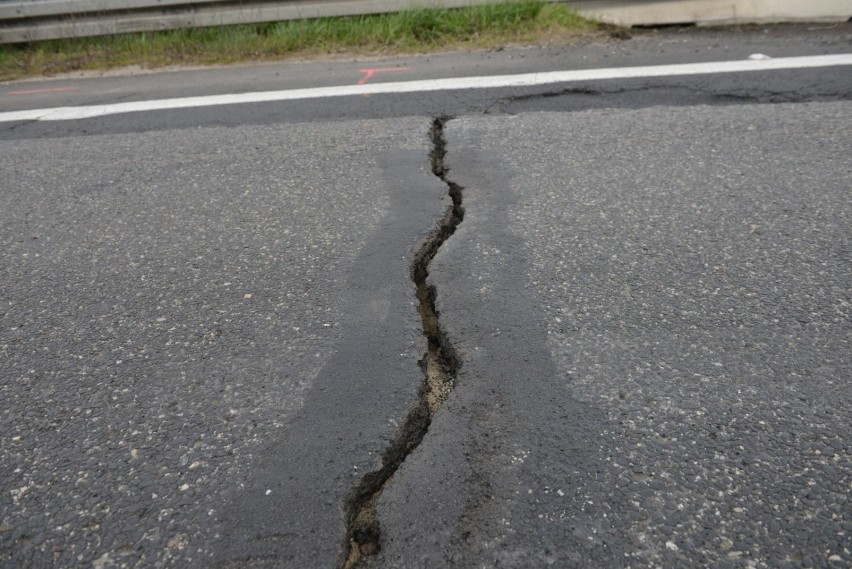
x: 714, y: 12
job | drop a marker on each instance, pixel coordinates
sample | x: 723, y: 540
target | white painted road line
x: 427, y: 85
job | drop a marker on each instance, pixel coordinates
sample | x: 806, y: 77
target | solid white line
x: 426, y: 85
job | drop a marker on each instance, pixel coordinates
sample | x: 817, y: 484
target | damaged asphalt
x: 655, y: 360
x: 177, y: 336
x: 602, y: 326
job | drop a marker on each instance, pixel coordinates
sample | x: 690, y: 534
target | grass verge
x: 413, y: 30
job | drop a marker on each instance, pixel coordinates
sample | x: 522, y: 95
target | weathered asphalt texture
x: 203, y: 332
x: 209, y: 334
x: 652, y: 310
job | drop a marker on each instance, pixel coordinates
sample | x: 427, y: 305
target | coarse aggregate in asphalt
x: 652, y: 308
x: 167, y: 301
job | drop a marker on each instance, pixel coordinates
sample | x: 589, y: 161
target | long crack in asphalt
x: 439, y: 365
x: 688, y: 93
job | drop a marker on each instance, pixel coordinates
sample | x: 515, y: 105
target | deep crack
x: 439, y: 365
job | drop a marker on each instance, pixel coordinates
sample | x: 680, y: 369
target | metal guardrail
x: 35, y: 20
x: 14, y: 9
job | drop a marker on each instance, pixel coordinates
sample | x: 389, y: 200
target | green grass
x: 414, y: 30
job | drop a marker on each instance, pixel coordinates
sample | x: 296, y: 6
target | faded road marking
x: 370, y: 72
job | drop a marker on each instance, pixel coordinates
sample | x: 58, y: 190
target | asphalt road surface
x: 225, y: 341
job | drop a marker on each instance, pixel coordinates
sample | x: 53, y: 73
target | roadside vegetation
x: 414, y: 30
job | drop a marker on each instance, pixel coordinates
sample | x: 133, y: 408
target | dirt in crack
x: 439, y: 366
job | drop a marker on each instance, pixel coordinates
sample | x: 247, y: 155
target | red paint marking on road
x: 368, y: 73
x: 38, y: 91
